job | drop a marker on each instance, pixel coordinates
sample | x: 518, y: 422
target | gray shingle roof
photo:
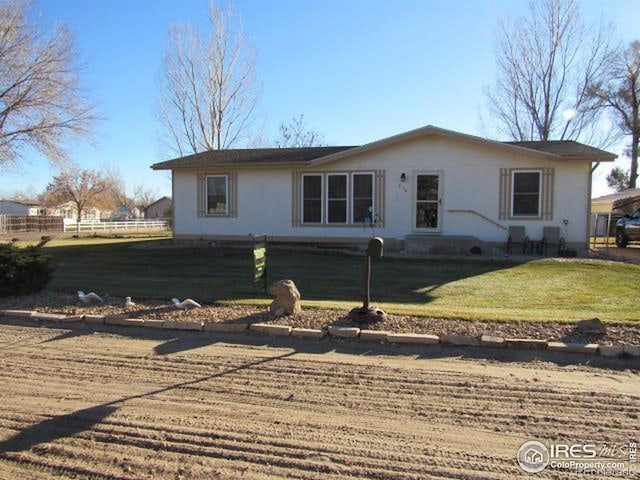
x: 274, y: 156
x: 566, y: 148
x: 250, y: 156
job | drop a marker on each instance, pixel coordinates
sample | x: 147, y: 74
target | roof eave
x: 590, y: 158
x: 159, y: 166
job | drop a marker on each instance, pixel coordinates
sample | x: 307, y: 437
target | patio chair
x: 551, y: 236
x: 517, y: 236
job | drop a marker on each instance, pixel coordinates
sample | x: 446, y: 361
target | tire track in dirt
x: 226, y: 411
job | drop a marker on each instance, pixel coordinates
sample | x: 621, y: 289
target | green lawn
x: 469, y: 289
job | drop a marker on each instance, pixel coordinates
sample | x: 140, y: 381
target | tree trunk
x: 78, y: 219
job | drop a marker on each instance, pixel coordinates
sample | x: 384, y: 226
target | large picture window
x: 217, y: 198
x: 362, y: 196
x: 312, y: 199
x: 526, y: 193
x: 337, y: 198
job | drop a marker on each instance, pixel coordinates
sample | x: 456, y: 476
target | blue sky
x: 359, y: 70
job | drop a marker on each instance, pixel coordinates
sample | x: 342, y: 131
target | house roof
x: 250, y: 156
x: 157, y: 201
x: 17, y: 202
x: 613, y: 197
x: 312, y: 156
x: 565, y: 148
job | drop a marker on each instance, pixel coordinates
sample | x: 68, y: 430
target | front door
x: 427, y: 211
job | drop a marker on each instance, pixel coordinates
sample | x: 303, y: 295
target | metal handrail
x: 484, y: 217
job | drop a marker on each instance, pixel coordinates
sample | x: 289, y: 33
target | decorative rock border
x: 373, y: 335
x: 460, y: 340
x: 492, y: 341
x: 275, y: 330
x: 307, y: 333
x: 343, y: 332
x: 338, y: 332
x: 413, y: 338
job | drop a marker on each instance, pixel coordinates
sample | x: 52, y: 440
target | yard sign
x: 259, y: 262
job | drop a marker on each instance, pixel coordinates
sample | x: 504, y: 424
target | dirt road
x: 131, y: 404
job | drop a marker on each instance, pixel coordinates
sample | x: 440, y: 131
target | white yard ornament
x: 185, y: 303
x: 128, y: 303
x: 89, y: 297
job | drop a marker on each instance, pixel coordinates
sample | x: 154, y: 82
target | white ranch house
x: 67, y: 210
x: 429, y: 189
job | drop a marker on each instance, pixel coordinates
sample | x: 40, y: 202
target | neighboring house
x: 161, y: 208
x: 428, y: 187
x: 124, y: 213
x: 24, y: 209
x: 625, y: 201
x: 68, y: 211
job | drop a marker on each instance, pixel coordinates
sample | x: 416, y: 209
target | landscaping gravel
x: 54, y: 302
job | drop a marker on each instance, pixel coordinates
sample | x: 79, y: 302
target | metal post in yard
x: 367, y: 282
x: 265, y: 264
x: 608, y: 230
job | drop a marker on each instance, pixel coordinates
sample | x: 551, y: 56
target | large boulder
x: 592, y: 326
x: 287, y: 301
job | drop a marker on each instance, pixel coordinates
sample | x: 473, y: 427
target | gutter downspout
x: 588, y: 239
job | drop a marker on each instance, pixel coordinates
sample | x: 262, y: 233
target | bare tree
x: 208, y: 90
x: 117, y: 188
x: 139, y: 197
x: 41, y: 104
x: 546, y: 64
x: 144, y: 196
x: 619, y: 93
x: 297, y: 134
x: 83, y: 188
x: 29, y: 195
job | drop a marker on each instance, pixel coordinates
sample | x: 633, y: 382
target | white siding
x: 470, y: 175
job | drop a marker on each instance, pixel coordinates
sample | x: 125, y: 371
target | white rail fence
x: 130, y: 226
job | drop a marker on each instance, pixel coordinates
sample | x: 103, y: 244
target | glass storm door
x: 427, y: 209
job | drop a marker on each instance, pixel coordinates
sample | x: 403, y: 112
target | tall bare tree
x: 117, y: 187
x: 144, y: 196
x: 29, y: 195
x: 41, y: 104
x: 83, y: 188
x: 546, y: 63
x: 619, y: 93
x: 208, y: 90
x: 297, y: 134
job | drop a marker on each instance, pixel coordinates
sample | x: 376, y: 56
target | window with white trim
x: 362, y: 196
x: 526, y: 188
x: 337, y: 198
x: 312, y: 199
x: 217, y: 194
